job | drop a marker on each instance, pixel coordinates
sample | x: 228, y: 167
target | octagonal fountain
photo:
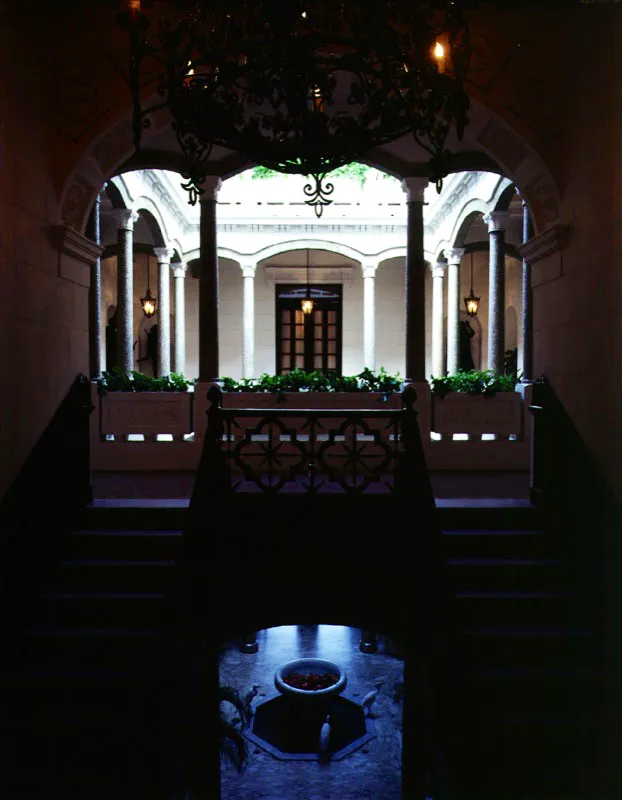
x: 288, y: 725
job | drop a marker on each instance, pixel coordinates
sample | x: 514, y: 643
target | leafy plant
x: 300, y: 381
x: 118, y: 380
x: 355, y: 170
x: 483, y: 382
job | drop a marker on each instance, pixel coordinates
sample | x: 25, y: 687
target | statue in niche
x: 465, y: 354
x: 151, y: 348
x: 112, y: 338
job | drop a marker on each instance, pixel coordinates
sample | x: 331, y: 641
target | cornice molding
x: 544, y: 244
x: 69, y: 241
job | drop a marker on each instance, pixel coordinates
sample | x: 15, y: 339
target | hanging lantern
x: 471, y: 302
x: 307, y: 302
x: 148, y: 302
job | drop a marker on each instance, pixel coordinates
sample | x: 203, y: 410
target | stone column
x: 164, y: 255
x: 438, y: 273
x: 208, y: 284
x: 125, y: 219
x: 527, y: 343
x: 453, y: 309
x: 95, y: 293
x: 415, y: 281
x: 179, y: 354
x: 248, y: 316
x: 369, y: 315
x: 497, y: 223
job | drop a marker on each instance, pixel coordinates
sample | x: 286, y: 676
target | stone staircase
x: 536, y: 724
x: 91, y: 699
x: 87, y: 689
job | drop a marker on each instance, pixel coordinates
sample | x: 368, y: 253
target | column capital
x: 180, y: 268
x: 414, y: 188
x: 248, y: 269
x: 438, y: 269
x: 497, y: 221
x: 163, y: 254
x: 368, y: 268
x: 211, y: 186
x: 454, y: 256
x: 125, y: 218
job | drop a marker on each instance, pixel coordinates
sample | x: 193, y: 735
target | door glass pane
x: 332, y: 317
x: 317, y: 362
x: 286, y: 331
x: 300, y: 362
x: 317, y: 346
x: 300, y: 331
x: 332, y: 362
x: 318, y: 316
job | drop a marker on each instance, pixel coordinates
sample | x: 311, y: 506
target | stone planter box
x: 315, y: 400
x: 459, y: 412
x: 147, y: 413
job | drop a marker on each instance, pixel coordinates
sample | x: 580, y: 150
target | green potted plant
x: 476, y: 402
x: 135, y: 403
x: 300, y: 389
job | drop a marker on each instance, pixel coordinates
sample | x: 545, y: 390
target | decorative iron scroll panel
x: 310, y: 451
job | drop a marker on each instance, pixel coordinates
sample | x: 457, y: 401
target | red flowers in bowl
x: 310, y: 681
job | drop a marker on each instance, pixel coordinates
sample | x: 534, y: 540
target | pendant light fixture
x: 471, y: 302
x: 307, y: 302
x: 149, y: 302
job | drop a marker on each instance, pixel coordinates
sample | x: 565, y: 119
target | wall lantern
x: 149, y: 302
x: 471, y: 302
x: 307, y: 302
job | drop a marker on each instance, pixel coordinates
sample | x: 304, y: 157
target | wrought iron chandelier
x: 303, y: 87
x: 472, y: 302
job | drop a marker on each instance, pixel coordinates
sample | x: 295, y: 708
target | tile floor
x: 371, y: 773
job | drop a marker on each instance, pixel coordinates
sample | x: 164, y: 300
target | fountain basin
x: 310, y: 666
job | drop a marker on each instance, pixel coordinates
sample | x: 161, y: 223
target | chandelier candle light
x: 303, y: 87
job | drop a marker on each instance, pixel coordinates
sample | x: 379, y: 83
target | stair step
x: 59, y: 648
x: 507, y: 574
x: 103, y: 609
x: 516, y: 608
x: 116, y: 575
x: 510, y: 542
x: 148, y: 545
x: 530, y: 647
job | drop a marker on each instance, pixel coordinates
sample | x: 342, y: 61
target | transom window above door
x: 308, y: 341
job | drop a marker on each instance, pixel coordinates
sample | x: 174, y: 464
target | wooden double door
x: 308, y: 341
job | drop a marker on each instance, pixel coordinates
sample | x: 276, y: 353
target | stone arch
x: 282, y: 247
x: 505, y: 198
x: 492, y: 145
x: 153, y: 220
x: 473, y: 209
